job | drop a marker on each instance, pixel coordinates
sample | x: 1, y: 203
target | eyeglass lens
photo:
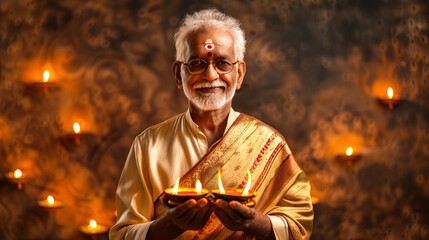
x: 199, y: 65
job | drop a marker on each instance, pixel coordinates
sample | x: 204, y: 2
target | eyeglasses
x: 197, y: 66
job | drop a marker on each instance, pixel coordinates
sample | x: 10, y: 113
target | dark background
x: 316, y: 69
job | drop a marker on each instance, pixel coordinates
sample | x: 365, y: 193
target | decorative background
x: 316, y: 69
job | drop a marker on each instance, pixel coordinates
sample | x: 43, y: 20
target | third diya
x: 244, y: 196
x: 177, y: 195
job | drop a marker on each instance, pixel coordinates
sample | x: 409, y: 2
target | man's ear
x: 176, y: 68
x: 241, y: 73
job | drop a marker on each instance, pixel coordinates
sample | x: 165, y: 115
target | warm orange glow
x: 390, y: 93
x: 76, y: 127
x: 349, y: 151
x: 50, y: 199
x: 198, y: 186
x: 249, y: 181
x: 46, y: 76
x: 92, y: 224
x: 17, y: 173
x: 176, y: 186
x: 221, y: 189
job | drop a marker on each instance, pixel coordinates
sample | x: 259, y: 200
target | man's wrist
x: 163, y: 228
x: 261, y: 228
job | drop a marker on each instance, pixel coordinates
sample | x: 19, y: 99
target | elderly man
x: 210, y: 135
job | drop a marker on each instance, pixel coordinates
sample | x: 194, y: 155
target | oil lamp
x: 77, y: 135
x: 44, y: 85
x: 177, y: 195
x: 390, y: 101
x: 50, y: 203
x: 244, y: 196
x: 348, y: 157
x: 93, y: 229
x: 17, y: 177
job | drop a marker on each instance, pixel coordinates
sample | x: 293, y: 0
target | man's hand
x: 237, y: 217
x: 190, y: 215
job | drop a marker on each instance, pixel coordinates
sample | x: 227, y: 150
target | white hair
x: 206, y: 19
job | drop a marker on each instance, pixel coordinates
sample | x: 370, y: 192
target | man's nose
x: 210, y: 74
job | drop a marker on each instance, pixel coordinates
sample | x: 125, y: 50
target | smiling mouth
x: 211, y: 89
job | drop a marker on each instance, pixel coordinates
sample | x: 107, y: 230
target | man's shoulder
x: 164, y: 126
x: 260, y: 125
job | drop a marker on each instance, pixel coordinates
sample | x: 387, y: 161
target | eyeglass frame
x: 207, y: 64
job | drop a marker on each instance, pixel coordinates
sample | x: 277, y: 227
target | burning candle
x: 50, y: 203
x: 177, y: 194
x: 242, y: 195
x: 18, y: 177
x: 390, y: 101
x: 93, y: 228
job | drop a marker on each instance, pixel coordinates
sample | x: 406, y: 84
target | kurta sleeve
x: 134, y: 200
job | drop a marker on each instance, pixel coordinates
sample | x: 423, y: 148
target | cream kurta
x: 157, y: 157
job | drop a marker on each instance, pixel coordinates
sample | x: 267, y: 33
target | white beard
x: 210, y: 101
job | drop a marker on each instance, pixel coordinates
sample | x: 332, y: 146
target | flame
x: 221, y: 189
x: 176, y: 186
x: 92, y: 224
x: 390, y: 93
x: 50, y: 199
x: 198, y: 186
x: 17, y: 173
x: 249, y: 181
x: 45, y: 76
x: 76, y: 127
x: 349, y: 151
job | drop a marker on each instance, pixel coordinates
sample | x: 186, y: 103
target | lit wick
x: 92, y: 225
x: 221, y: 189
x: 390, y: 93
x: 198, y: 186
x: 176, y: 186
x: 17, y: 173
x: 50, y: 200
x: 249, y: 181
x: 349, y: 151
x: 76, y: 127
x: 45, y: 76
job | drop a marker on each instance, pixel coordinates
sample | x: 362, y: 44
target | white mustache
x: 210, y: 84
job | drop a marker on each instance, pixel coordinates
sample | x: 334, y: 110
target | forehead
x: 222, y: 41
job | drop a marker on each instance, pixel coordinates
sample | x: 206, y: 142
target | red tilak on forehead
x: 209, y: 44
x: 209, y: 54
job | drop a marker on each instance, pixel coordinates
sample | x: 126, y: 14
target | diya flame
x: 176, y: 189
x: 246, y: 189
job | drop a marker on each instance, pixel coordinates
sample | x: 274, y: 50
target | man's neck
x: 211, y: 123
